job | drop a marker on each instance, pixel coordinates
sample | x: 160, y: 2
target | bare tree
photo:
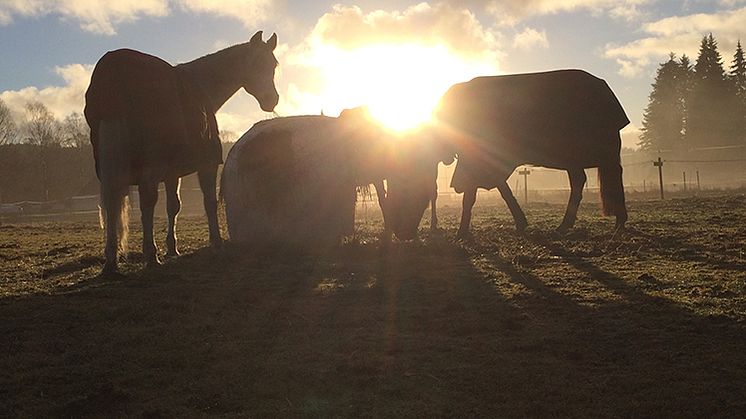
x: 43, y: 130
x: 227, y: 136
x: 41, y: 127
x: 8, y: 131
x: 75, y: 131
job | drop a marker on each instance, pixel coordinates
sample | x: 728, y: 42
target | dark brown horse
x: 152, y: 122
x: 566, y: 119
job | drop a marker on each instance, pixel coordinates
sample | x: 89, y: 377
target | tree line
x: 43, y: 158
x: 697, y: 106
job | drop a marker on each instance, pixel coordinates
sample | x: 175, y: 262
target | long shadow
x: 414, y: 330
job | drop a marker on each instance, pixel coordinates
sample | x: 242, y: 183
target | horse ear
x: 256, y: 38
x: 272, y: 42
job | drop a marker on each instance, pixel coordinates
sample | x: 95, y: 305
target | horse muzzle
x: 268, y: 102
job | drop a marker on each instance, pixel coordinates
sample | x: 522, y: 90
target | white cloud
x: 103, y: 17
x: 679, y: 34
x: 61, y: 100
x: 513, y: 11
x: 249, y: 12
x: 444, y: 29
x: 530, y: 38
x: 440, y: 24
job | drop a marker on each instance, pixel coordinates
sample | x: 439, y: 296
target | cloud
x: 341, y: 34
x: 61, y: 100
x: 104, y: 16
x: 530, y: 38
x: 348, y: 27
x: 249, y: 12
x: 513, y: 11
x: 679, y: 34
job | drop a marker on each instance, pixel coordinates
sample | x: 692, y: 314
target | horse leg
x: 114, y: 215
x: 518, y: 216
x: 381, y: 194
x: 433, y: 206
x: 577, y: 182
x: 148, y: 198
x: 173, y: 206
x: 207, y: 178
x: 470, y: 197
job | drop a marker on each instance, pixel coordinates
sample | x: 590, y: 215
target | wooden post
x: 525, y: 173
x: 699, y: 188
x: 659, y: 165
x: 684, y: 180
x: 644, y: 187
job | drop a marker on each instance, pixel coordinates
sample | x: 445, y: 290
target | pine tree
x: 685, y: 85
x: 663, y: 120
x: 710, y: 111
x: 737, y: 77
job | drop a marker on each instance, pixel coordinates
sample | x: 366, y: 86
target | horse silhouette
x: 152, y: 122
x: 566, y: 119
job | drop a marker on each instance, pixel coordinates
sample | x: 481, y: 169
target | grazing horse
x: 152, y: 122
x: 565, y: 119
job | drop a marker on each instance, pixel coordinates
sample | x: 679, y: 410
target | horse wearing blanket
x: 565, y: 119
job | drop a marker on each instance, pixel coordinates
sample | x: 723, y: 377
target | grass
x: 650, y: 322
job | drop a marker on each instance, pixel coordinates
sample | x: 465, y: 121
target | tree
x: 8, y: 131
x: 664, y: 118
x: 75, y: 131
x: 227, y: 136
x: 737, y: 77
x: 685, y: 86
x: 711, y: 110
x: 44, y: 131
x: 41, y: 127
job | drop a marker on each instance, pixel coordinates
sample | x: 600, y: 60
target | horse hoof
x: 521, y: 228
x: 216, y: 243
x: 109, y: 269
x: 153, y: 263
x: 464, y: 236
x: 562, y: 229
x: 173, y: 253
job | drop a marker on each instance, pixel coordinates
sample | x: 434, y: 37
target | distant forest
x: 697, y: 106
x: 44, y: 159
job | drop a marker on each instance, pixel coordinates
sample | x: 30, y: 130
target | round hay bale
x: 291, y: 180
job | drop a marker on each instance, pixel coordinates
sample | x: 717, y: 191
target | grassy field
x: 649, y: 322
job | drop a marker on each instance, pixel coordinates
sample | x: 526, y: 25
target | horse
x: 153, y: 122
x: 564, y: 119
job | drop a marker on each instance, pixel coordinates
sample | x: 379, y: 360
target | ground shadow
x: 433, y: 328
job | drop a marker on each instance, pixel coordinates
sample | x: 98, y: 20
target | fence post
x: 659, y: 165
x: 684, y: 180
x: 525, y: 173
x: 699, y: 188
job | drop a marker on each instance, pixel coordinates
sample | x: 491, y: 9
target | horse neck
x: 217, y: 74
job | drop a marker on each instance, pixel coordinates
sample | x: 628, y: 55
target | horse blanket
x: 546, y: 119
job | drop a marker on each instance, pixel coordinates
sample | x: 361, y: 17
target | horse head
x: 409, y: 165
x: 411, y: 183
x: 259, y: 81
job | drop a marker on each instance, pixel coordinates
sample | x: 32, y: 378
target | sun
x: 400, y: 84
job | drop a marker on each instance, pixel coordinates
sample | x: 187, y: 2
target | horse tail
x: 114, y: 170
x: 612, y: 188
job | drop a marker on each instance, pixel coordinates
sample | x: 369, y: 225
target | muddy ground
x: 649, y: 322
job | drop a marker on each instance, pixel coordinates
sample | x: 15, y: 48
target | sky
x: 397, y: 56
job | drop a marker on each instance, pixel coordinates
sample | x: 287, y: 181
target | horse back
x: 166, y: 123
x: 557, y: 112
